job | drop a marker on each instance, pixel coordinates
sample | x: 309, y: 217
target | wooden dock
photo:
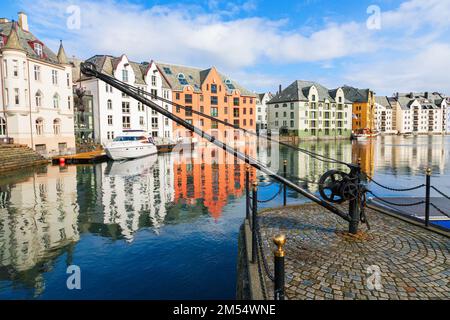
x: 95, y: 156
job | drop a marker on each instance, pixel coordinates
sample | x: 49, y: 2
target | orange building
x: 212, y: 93
x: 363, y: 101
x: 211, y: 175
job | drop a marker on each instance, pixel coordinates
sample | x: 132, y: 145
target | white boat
x: 131, y: 144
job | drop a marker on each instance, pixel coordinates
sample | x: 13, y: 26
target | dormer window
x: 313, y: 97
x: 182, y: 79
x: 38, y: 49
x: 125, y: 75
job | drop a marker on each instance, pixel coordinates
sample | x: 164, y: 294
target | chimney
x: 411, y: 95
x: 4, y: 20
x: 427, y: 94
x: 279, y: 89
x: 23, y: 21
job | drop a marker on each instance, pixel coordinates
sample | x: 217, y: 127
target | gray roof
x: 195, y: 78
x: 107, y: 64
x: 25, y: 38
x: 355, y: 94
x: 384, y: 101
x: 427, y: 100
x: 299, y: 90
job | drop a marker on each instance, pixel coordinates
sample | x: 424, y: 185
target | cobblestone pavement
x: 324, y: 262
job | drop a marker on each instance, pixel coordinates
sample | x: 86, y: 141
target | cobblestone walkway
x: 323, y: 262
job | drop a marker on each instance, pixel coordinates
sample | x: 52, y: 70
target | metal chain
x: 261, y: 275
x: 259, y: 242
x: 439, y: 210
x: 440, y: 192
x: 394, y: 189
x: 396, y: 204
x: 270, y: 199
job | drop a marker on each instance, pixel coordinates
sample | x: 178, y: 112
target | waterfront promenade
x: 324, y: 262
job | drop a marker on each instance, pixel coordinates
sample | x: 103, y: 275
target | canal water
x: 166, y: 227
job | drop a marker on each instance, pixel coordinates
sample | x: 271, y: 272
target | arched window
x: 313, y: 97
x: 56, y: 101
x: 2, y: 127
x: 56, y: 126
x: 182, y: 79
x: 109, y: 104
x: 39, y: 126
x: 38, y: 98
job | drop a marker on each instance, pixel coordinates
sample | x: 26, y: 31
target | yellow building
x: 363, y: 101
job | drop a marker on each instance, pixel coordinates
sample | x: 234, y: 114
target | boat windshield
x: 131, y: 138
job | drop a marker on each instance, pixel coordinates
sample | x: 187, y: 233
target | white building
x: 114, y: 111
x: 421, y: 113
x: 261, y: 110
x: 36, y: 103
x: 383, y: 115
x: 310, y: 111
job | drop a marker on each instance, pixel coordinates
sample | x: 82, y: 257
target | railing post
x: 254, y: 221
x: 247, y: 192
x: 278, y: 292
x: 284, y: 186
x: 355, y: 205
x: 427, y: 196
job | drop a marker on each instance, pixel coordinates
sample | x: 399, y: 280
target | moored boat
x: 131, y: 144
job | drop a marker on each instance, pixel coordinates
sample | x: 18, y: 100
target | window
x: 153, y: 93
x: 214, y: 100
x: 214, y: 88
x: 57, y: 126
x: 68, y: 103
x: 313, y: 97
x: 214, y: 112
x: 236, y: 112
x: 38, y: 49
x: 235, y: 102
x: 182, y: 79
x: 292, y: 106
x: 177, y: 96
x: 39, y: 126
x: 55, y: 77
x: 292, y: 123
x: 126, y: 107
x: 225, y: 110
x: 236, y: 123
x: 229, y: 84
x: 188, y: 98
x: 167, y: 70
x: 125, y: 75
x: 214, y: 125
x: 16, y: 96
x: 110, y: 120
x: 154, y: 80
x: 15, y: 68
x: 2, y: 126
x: 38, y: 98
x: 109, y: 104
x: 68, y: 79
x: 56, y: 101
x: 2, y: 43
x: 126, y: 122
x: 188, y: 112
x: 141, y: 121
x: 202, y: 122
x: 251, y: 110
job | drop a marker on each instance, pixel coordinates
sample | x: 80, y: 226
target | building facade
x: 363, y: 107
x: 420, y: 113
x: 384, y: 120
x: 36, y: 103
x: 310, y: 111
x: 114, y: 111
x: 261, y: 110
x: 212, y: 93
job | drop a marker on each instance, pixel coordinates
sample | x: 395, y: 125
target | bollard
x: 355, y: 205
x: 247, y: 192
x: 284, y: 186
x: 278, y: 292
x: 427, y: 196
x: 254, y: 222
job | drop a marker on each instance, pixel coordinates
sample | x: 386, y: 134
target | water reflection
x: 45, y: 214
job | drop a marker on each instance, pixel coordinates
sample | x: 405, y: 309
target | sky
x: 386, y: 45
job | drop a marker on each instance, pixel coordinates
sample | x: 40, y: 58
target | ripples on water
x: 164, y: 227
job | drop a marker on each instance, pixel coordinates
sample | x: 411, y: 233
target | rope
x: 440, y: 192
x: 440, y: 210
x: 397, y: 204
x: 394, y: 189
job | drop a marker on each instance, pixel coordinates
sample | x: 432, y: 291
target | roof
x: 426, y: 100
x: 299, y: 91
x: 355, y: 94
x: 62, y: 58
x: 383, y: 101
x: 24, y: 41
x: 195, y: 78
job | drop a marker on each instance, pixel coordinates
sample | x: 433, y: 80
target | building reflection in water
x: 209, y: 175
x: 38, y: 223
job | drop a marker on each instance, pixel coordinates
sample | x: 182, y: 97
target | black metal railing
x: 426, y: 201
x: 258, y: 257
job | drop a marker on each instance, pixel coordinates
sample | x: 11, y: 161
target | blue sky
x: 387, y: 45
